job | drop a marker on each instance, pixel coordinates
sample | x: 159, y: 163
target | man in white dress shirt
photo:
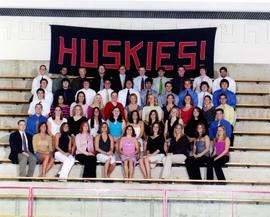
x: 48, y: 95
x: 139, y: 82
x: 203, y: 77
x: 224, y: 75
x: 159, y: 82
x: 204, y: 92
x: 124, y: 94
x: 36, y: 81
x: 89, y: 93
x: 107, y: 91
x: 46, y: 108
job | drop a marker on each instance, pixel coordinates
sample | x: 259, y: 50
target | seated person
x: 231, y: 98
x: 224, y: 75
x: 81, y: 101
x: 187, y: 109
x: 60, y: 101
x: 229, y: 113
x: 132, y: 106
x: 40, y: 100
x: 113, y: 104
x: 208, y: 111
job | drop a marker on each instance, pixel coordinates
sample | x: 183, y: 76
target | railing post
x: 165, y: 203
x: 30, y: 202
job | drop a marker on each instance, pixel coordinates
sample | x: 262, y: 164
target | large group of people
x: 140, y: 120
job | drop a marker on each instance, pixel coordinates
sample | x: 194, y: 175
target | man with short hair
x: 34, y: 120
x: 120, y: 79
x: 179, y: 80
x: 187, y: 91
x: 224, y: 75
x: 139, y: 81
x: 168, y: 90
x: 159, y: 82
x: 77, y: 83
x: 218, y: 122
x: 41, y: 75
x: 203, y: 77
x: 123, y: 95
x: 57, y: 82
x: 229, y: 113
x: 89, y: 93
x: 48, y: 95
x: 107, y: 91
x: 147, y: 91
x: 204, y: 92
x: 40, y: 100
x: 21, y: 150
x: 97, y: 83
x: 231, y: 98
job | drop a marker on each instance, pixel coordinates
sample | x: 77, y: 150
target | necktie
x: 24, y: 147
x: 101, y: 84
x: 160, y: 86
x: 142, y: 84
x: 203, y: 100
x: 107, y: 95
x: 128, y: 93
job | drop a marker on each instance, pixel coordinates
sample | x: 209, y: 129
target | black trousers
x: 90, y: 164
x: 193, y: 166
x: 217, y: 165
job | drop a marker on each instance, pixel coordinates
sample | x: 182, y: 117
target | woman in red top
x: 187, y: 109
x: 112, y: 104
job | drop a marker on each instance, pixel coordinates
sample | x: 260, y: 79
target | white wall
x: 237, y: 41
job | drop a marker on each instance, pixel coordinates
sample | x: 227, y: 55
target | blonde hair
x: 224, y: 133
x: 174, y: 130
x: 73, y: 110
x: 96, y: 104
x: 155, y: 100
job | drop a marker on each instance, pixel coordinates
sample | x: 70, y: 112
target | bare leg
x: 111, y: 169
x: 142, y: 166
x: 147, y: 167
x: 125, y: 169
x: 106, y: 168
x: 50, y: 164
x: 131, y: 169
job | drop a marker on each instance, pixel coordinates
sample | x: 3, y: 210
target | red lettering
x: 202, y: 51
x: 149, y: 53
x: 191, y: 56
x: 63, y: 50
x: 160, y: 55
x: 115, y: 55
x: 84, y: 63
x: 132, y: 52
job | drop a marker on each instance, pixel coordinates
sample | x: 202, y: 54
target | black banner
x: 76, y: 47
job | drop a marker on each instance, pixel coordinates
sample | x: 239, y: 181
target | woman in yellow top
x: 43, y: 148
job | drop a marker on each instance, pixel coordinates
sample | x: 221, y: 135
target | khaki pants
x: 168, y: 161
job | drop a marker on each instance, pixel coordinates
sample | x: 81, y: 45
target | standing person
x: 139, y: 81
x: 178, y: 151
x: 104, y: 146
x: 40, y: 100
x: 43, y: 148
x: 97, y: 102
x: 55, y: 121
x: 60, y: 102
x: 208, y: 111
x: 106, y: 91
x: 36, y: 82
x: 202, y: 78
x: 57, y: 82
x: 85, y: 151
x: 179, y: 80
x: 229, y: 113
x: 120, y: 79
x: 204, y: 92
x: 81, y: 101
x: 168, y: 106
x: 89, y: 93
x: 132, y: 106
x: 224, y: 75
x: 34, y: 120
x: 77, y: 83
x: 153, y: 117
x: 159, y: 82
x: 113, y: 104
x: 98, y: 81
x: 187, y: 109
x: 95, y: 121
x: 63, y: 147
x: 21, y: 150
x: 151, y: 105
x: 128, y: 149
x: 162, y: 99
x: 189, y: 92
x: 76, y: 120
x: 123, y: 95
x: 201, y: 154
x: 173, y: 119
x: 66, y: 91
x: 48, y: 96
x: 154, y: 151
x: 221, y: 154
x: 148, y: 90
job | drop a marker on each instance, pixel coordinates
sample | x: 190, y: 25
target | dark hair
x: 42, y: 66
x: 102, y: 65
x: 222, y: 95
x: 200, y: 117
x: 81, y: 126
x: 43, y: 79
x: 220, y: 110
x: 106, y: 78
x: 114, y: 92
x: 184, y: 103
x: 197, y: 135
x: 168, y: 97
x: 133, y: 131
x: 148, y: 80
x: 85, y: 80
x: 62, y: 67
x: 93, y: 117
x: 223, y: 68
x: 168, y: 82
x: 203, y: 67
x: 77, y: 98
x: 62, y: 127
x: 131, y: 95
x: 55, y: 103
x: 40, y: 89
x: 207, y: 96
x: 187, y: 79
x: 121, y: 66
x: 19, y: 121
x: 65, y: 79
x: 160, y: 69
x: 130, y: 119
x: 142, y: 67
x: 149, y: 116
x: 61, y: 116
x: 224, y: 81
x: 128, y: 81
x: 38, y: 105
x: 101, y: 125
x: 181, y: 66
x: 159, y: 129
x: 39, y: 126
x: 119, y: 119
x: 204, y: 83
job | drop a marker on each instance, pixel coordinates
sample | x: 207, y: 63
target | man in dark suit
x: 97, y: 83
x: 22, y: 150
x: 119, y: 80
x: 179, y: 80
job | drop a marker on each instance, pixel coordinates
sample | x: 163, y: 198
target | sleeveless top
x: 115, y: 128
x: 129, y: 145
x: 220, y: 146
x: 200, y: 147
x: 186, y: 115
x: 129, y: 112
x: 105, y: 145
x: 171, y: 127
x: 137, y: 131
x: 63, y: 142
x: 55, y: 128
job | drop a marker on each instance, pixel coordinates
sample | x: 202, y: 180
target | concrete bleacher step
x: 18, y: 108
x: 252, y: 86
x: 252, y: 126
x: 253, y: 99
x: 253, y: 112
